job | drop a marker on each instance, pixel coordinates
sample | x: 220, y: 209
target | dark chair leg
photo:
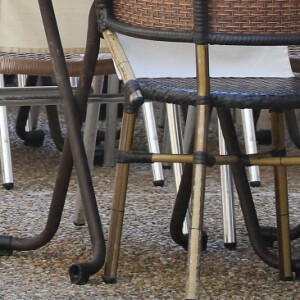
x: 180, y: 209
x: 292, y: 126
x: 54, y: 126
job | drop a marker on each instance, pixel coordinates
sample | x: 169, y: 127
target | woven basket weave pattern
x: 227, y: 16
x: 41, y: 64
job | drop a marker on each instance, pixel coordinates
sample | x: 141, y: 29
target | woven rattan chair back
x: 226, y: 16
x: 210, y: 21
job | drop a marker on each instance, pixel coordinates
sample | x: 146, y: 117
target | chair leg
x: 199, y: 173
x: 197, y: 205
x: 227, y: 198
x: 166, y: 144
x: 292, y: 126
x: 250, y: 144
x: 31, y: 137
x: 282, y: 210
x: 89, y: 139
x: 5, y: 159
x: 151, y: 133
x: 111, y: 123
x: 118, y: 203
x: 176, y: 139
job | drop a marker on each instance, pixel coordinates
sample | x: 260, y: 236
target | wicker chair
x: 197, y: 22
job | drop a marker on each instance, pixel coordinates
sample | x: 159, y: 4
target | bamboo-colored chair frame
x: 198, y: 22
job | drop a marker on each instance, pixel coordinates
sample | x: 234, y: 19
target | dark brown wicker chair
x: 250, y: 22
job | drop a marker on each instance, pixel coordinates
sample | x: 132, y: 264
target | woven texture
x: 227, y: 16
x: 41, y: 64
x: 271, y: 93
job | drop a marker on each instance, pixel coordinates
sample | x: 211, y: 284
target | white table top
x: 21, y: 27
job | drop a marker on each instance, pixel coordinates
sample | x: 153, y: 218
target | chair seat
x: 41, y: 64
x: 262, y: 93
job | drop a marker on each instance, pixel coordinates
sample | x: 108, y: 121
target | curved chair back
x: 235, y: 22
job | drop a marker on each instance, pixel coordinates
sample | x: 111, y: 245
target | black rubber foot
x: 109, y: 280
x: 79, y: 273
x: 255, y: 183
x: 264, y: 137
x: 5, y: 245
x: 8, y: 186
x: 158, y: 182
x: 230, y: 246
x: 78, y: 224
x: 34, y: 138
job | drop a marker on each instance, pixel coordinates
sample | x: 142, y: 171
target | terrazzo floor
x: 151, y: 265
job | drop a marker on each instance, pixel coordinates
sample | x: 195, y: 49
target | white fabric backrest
x: 162, y: 59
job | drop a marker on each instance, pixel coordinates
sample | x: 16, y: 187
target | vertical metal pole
x: 226, y: 182
x: 227, y: 198
x: 250, y: 144
x: 22, y: 83
x: 6, y: 162
x: 89, y: 140
x: 152, y: 138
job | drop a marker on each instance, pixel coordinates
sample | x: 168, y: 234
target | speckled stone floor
x: 151, y: 265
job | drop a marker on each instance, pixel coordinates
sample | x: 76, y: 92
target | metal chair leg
x: 166, y: 144
x: 5, y: 159
x: 89, y: 140
x: 22, y: 83
x: 226, y: 182
x: 227, y: 198
x: 250, y: 144
x: 151, y: 133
